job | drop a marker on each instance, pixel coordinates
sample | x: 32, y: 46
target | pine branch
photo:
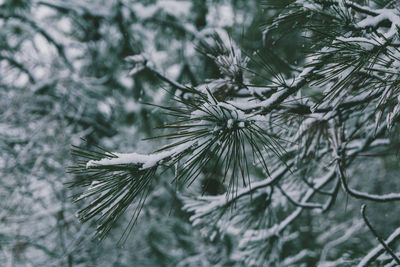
x: 114, y: 188
x: 362, y: 195
x: 379, y: 250
x: 171, y: 82
x: 306, y: 205
x: 386, y: 247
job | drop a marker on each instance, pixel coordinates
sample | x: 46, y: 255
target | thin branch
x: 363, y: 195
x: 164, y: 78
x: 305, y: 205
x: 387, y: 248
x: 19, y: 66
x: 332, y: 199
x: 76, y: 10
x: 278, y: 228
x: 378, y: 250
x: 361, y: 9
x: 348, y: 232
x: 341, y: 155
x: 311, y: 185
x: 35, y: 26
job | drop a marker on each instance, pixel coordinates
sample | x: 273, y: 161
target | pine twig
x: 171, y: 82
x: 363, y: 195
x: 387, y: 248
x: 306, y: 205
x: 379, y: 250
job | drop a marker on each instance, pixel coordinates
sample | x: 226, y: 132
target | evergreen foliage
x: 306, y: 131
x: 260, y: 129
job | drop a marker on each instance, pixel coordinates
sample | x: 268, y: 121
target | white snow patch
x: 147, y: 161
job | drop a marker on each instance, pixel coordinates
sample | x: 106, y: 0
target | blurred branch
x: 171, y: 82
x: 276, y: 229
x: 359, y: 8
x: 19, y: 66
x: 290, y: 261
x: 35, y: 26
x: 62, y: 8
x: 343, y: 238
x: 333, y: 197
x: 305, y: 205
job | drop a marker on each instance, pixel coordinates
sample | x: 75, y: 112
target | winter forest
x: 199, y: 133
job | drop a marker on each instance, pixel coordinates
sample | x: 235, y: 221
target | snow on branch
x: 381, y: 15
x: 362, y: 195
x: 383, y: 243
x: 204, y: 205
x: 379, y: 250
x: 256, y: 235
x: 145, y: 161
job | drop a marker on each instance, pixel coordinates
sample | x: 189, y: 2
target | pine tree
x: 278, y: 143
x: 269, y: 148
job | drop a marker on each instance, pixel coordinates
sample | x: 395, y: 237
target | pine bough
x: 279, y: 147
